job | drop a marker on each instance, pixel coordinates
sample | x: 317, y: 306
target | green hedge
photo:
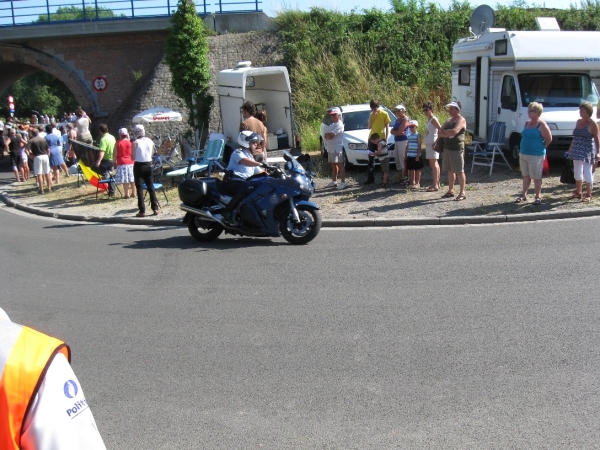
x: 401, y: 55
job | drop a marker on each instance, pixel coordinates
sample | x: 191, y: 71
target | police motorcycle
x: 278, y: 205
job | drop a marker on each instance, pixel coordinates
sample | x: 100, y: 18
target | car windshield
x: 556, y: 90
x: 358, y: 120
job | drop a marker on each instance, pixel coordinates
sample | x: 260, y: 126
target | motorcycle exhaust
x: 201, y: 213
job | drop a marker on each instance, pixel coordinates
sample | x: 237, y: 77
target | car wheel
x: 323, y: 149
x: 347, y: 165
x: 515, y: 150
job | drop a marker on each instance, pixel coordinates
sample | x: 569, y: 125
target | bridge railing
x: 38, y: 12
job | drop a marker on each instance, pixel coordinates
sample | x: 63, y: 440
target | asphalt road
x: 440, y: 337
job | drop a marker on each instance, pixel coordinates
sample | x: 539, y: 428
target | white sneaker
x: 332, y: 184
x: 342, y: 185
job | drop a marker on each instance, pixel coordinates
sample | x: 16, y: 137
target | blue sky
x: 272, y: 6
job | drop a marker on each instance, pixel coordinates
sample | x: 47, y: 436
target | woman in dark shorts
x: 15, y: 142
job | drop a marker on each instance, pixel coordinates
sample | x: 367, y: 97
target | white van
x: 497, y: 73
x: 269, y: 89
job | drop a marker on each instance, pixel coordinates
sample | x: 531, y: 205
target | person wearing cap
x: 42, y: 405
x: 414, y: 163
x: 335, y: 148
x: 400, y: 142
x: 124, y: 162
x: 251, y: 123
x: 142, y: 150
x: 453, y: 158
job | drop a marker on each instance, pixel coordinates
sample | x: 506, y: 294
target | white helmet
x: 245, y: 137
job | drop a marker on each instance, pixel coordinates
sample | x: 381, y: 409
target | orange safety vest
x: 25, y: 355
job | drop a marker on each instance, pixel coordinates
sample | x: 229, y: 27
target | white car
x: 356, y: 133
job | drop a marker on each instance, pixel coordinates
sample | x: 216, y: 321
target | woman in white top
x: 431, y: 135
x: 142, y: 150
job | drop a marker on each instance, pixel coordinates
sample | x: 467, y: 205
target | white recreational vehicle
x: 497, y: 73
x: 269, y: 89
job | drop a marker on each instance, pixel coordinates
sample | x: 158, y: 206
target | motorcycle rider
x: 242, y: 166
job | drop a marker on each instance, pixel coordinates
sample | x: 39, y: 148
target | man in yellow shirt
x: 379, y: 122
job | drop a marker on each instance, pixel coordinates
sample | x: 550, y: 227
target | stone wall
x: 262, y: 48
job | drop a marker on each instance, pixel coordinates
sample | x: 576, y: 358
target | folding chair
x: 80, y: 175
x: 213, y: 151
x: 108, y: 178
x: 157, y: 186
x: 168, y: 153
x: 484, y: 153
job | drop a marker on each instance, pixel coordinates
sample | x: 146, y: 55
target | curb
x: 332, y: 223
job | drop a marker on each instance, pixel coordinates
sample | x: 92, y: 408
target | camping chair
x: 213, y: 151
x: 80, y: 176
x: 484, y: 153
x: 168, y: 153
x: 108, y: 178
x: 157, y: 186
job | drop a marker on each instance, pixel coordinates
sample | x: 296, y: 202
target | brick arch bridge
x: 128, y: 54
x: 17, y: 61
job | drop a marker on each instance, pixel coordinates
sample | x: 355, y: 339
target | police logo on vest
x: 71, y: 389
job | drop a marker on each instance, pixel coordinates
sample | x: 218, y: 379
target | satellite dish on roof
x: 482, y: 19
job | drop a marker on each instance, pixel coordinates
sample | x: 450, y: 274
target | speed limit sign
x: 100, y: 84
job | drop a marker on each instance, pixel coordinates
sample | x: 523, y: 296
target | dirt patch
x: 486, y: 195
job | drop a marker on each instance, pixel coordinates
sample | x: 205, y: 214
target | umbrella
x: 158, y: 115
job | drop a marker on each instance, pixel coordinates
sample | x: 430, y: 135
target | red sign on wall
x: 100, y: 84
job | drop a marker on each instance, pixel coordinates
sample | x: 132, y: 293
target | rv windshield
x: 557, y: 89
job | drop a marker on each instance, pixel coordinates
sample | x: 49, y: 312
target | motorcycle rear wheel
x: 203, y: 230
x: 306, y: 230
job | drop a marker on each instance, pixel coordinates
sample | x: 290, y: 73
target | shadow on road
x: 187, y: 242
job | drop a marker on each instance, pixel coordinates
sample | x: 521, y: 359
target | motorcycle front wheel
x: 303, y: 232
x: 203, y: 230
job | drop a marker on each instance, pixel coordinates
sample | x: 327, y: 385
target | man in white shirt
x: 335, y: 148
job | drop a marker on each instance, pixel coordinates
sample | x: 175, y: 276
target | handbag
x: 438, y: 145
x: 546, y: 167
x: 568, y: 176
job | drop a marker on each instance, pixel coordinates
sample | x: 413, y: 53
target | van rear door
x: 481, y: 96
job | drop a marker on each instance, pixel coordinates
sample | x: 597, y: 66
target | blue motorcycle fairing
x: 306, y: 203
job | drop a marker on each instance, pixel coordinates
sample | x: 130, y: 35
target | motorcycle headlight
x: 357, y: 146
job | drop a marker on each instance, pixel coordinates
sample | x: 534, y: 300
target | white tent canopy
x: 160, y: 114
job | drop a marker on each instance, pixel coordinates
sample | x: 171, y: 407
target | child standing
x: 383, y: 155
x: 414, y: 164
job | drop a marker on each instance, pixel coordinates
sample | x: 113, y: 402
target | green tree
x: 186, y: 53
x: 66, y: 13
x: 41, y: 92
